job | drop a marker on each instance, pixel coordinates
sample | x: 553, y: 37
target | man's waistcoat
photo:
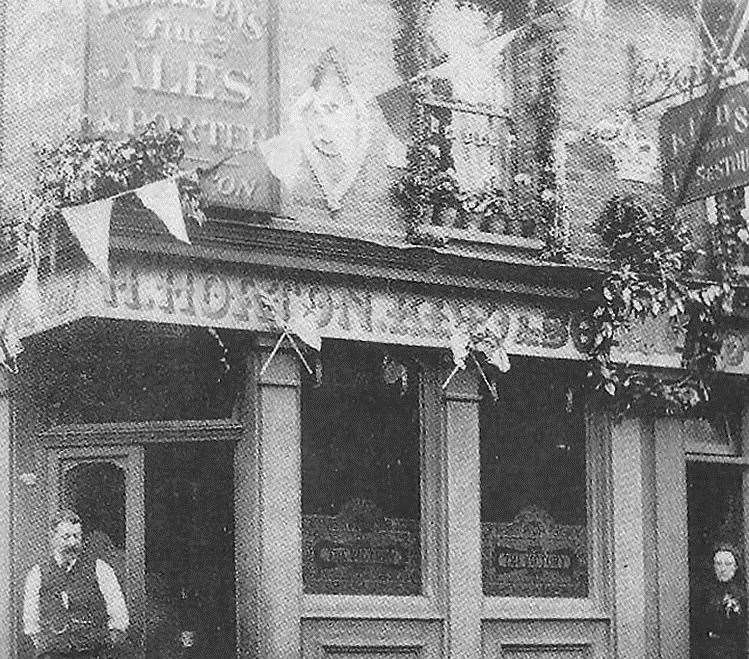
x: 82, y: 625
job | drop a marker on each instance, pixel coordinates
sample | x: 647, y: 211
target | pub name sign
x: 723, y: 159
x: 200, y: 66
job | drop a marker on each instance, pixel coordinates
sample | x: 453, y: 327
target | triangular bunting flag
x: 28, y: 299
x: 162, y: 198
x: 283, y: 154
x: 89, y: 223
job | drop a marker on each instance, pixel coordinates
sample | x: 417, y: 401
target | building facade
x: 259, y: 498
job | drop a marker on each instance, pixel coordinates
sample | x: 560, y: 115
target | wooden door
x: 104, y: 485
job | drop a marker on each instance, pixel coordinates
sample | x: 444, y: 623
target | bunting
x: 89, y: 223
x: 162, y: 198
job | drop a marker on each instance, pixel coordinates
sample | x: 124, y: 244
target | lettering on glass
x: 199, y: 67
x: 533, y: 556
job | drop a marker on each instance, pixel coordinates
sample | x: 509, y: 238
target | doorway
x: 715, y: 518
x: 189, y: 550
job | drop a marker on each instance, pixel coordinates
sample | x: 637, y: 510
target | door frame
x: 673, y: 450
x: 124, y: 444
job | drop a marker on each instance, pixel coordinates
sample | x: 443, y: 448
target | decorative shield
x: 335, y: 128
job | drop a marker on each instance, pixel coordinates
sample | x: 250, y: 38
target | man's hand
x: 117, y: 637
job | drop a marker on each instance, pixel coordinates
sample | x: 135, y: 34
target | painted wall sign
x: 234, y: 298
x: 200, y: 66
x: 533, y: 556
x: 724, y: 159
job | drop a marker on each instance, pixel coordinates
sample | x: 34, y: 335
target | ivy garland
x: 87, y: 167
x: 653, y: 255
x: 428, y: 177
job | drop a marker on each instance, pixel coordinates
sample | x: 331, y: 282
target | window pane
x: 361, y: 476
x: 533, y: 485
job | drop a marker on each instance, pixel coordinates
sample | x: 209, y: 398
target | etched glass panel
x: 533, y: 485
x: 361, y: 476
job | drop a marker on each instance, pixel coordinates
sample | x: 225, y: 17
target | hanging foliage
x: 87, y: 167
x: 653, y: 255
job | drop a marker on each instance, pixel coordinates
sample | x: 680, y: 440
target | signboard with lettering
x: 533, y: 556
x: 723, y: 159
x: 201, y: 66
x: 360, y: 553
x: 242, y: 298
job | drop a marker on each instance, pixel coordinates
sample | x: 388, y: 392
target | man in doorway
x: 73, y: 605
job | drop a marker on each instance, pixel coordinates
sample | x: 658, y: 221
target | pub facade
x: 265, y: 427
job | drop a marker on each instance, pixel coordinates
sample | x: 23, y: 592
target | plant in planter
x: 428, y: 189
x: 487, y: 208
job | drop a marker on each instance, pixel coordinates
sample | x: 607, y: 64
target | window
x: 533, y: 485
x: 361, y: 475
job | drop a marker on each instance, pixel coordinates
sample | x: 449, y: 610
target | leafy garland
x: 653, y: 256
x: 87, y: 167
x: 429, y: 179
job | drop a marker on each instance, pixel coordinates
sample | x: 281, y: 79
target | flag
x: 459, y: 345
x: 305, y: 328
x: 283, y: 154
x: 498, y: 357
x: 89, y: 224
x: 162, y: 198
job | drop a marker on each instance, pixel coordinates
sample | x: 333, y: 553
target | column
x: 463, y: 515
x: 279, y: 471
x: 7, y: 648
x: 629, y: 556
x: 672, y: 550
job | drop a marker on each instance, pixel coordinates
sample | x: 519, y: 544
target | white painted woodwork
x: 671, y: 521
x: 463, y: 515
x: 279, y: 438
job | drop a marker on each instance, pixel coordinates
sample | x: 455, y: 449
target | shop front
x: 368, y: 499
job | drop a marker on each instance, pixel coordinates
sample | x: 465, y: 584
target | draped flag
x: 162, y: 198
x: 89, y: 223
x: 304, y: 328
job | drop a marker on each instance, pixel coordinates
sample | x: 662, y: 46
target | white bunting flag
x: 284, y: 156
x: 89, y: 224
x: 162, y: 198
x: 305, y: 328
x: 745, y: 211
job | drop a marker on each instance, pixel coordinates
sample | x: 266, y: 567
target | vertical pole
x: 463, y: 515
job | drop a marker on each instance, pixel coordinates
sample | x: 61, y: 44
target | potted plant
x: 429, y: 193
x: 486, y: 209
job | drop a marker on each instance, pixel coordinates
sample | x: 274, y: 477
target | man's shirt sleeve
x: 31, y: 601
x: 112, y: 593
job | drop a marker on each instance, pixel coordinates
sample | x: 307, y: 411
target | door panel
x: 104, y: 485
x: 370, y: 639
x: 582, y: 639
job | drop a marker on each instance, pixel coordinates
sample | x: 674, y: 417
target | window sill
x: 472, y: 236
x: 537, y: 608
x: 369, y: 606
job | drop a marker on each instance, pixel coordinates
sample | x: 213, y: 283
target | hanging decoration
x: 484, y: 341
x: 26, y: 302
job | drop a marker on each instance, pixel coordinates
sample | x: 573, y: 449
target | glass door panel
x: 104, y: 485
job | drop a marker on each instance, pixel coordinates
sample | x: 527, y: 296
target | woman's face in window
x: 724, y: 564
